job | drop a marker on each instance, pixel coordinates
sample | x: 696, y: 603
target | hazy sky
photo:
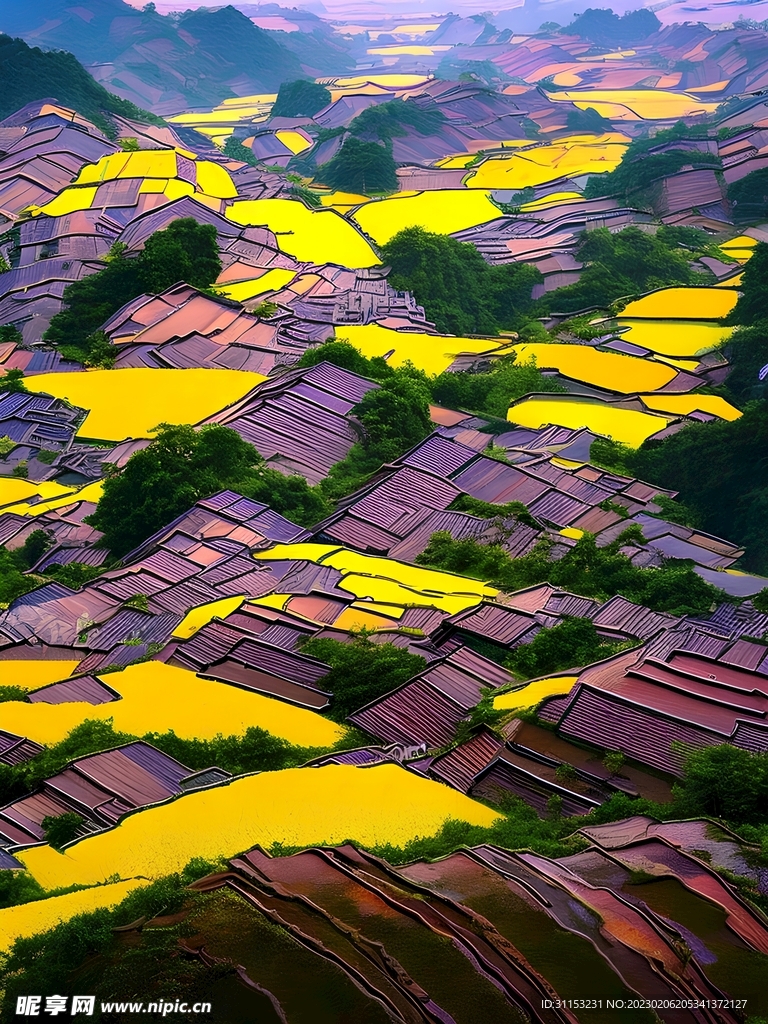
x: 669, y: 11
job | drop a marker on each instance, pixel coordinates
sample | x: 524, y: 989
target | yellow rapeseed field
x: 313, y: 236
x: 273, y: 281
x: 130, y: 403
x: 683, y: 405
x: 297, y: 142
x: 432, y: 353
x: 30, y: 675
x: 530, y: 695
x: 674, y: 337
x: 90, y: 492
x: 198, y: 617
x: 553, y: 199
x: 14, y: 489
x: 683, y: 304
x: 158, y: 698
x: 741, y: 248
x: 386, y: 581
x: 297, y: 807
x: 635, y: 104
x: 628, y: 426
x: 41, y: 915
x: 158, y: 171
x: 442, y: 211
x: 406, y: 50
x: 609, y: 370
x: 570, y: 156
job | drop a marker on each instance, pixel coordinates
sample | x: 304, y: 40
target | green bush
x: 599, y: 572
x: 184, y: 251
x: 361, y: 671
x: 459, y: 291
x: 571, y: 644
x: 359, y: 166
x: 300, y: 98
x: 183, y: 465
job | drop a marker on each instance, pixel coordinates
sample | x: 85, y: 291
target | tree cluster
x: 599, y: 572
x: 624, y: 264
x: 383, y: 122
x: 361, y: 671
x: 573, y: 643
x: 704, y: 461
x: 640, y: 166
x: 184, y: 251
x: 300, y: 98
x: 749, y: 197
x: 460, y: 292
x: 183, y: 465
x: 28, y: 74
x: 393, y: 417
x: 360, y: 166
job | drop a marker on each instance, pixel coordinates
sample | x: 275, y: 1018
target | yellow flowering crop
x: 31, y: 675
x: 628, y: 426
x: 41, y: 915
x: 683, y: 304
x: 610, y: 370
x: 203, y: 614
x: 530, y: 695
x: 432, y: 353
x: 158, y: 698
x: 387, y: 581
x: 296, y: 806
x: 570, y: 156
x: 129, y: 403
x: 442, y: 211
x: 313, y: 236
x: 674, y: 337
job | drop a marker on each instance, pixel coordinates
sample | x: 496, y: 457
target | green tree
x: 34, y: 547
x: 10, y: 332
x: 360, y: 166
x: 361, y: 670
x: 183, y: 465
x: 749, y: 197
x: 163, y: 480
x: 13, y: 581
x: 572, y: 644
x: 184, y: 251
x: 704, y: 461
x: 747, y: 352
x: 459, y: 291
x: 727, y: 782
x: 12, y: 382
x: 237, y: 151
x: 623, y: 264
x: 599, y: 572
x: 341, y: 353
x: 61, y: 829
x: 383, y: 122
x: 29, y: 73
x: 640, y: 166
x: 752, y: 307
x: 394, y: 418
x: 300, y: 98
x: 491, y: 392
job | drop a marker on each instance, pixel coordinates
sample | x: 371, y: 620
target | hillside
x: 27, y: 74
x: 166, y: 64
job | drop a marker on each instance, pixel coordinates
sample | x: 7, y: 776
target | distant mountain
x: 164, y: 63
x: 317, y: 45
x: 27, y: 74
